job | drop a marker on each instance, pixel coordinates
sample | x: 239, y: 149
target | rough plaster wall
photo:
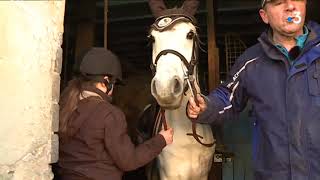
x: 30, y: 63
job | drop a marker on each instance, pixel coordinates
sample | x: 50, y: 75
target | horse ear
x: 190, y: 6
x: 157, y: 7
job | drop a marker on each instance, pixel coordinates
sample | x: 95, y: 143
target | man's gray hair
x: 263, y: 2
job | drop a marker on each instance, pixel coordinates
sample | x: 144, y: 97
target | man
x: 280, y: 76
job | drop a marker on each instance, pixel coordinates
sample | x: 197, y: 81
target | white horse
x: 174, y: 57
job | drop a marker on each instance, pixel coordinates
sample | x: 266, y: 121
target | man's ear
x: 264, y: 16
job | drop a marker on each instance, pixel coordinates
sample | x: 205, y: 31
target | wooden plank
x: 106, y: 24
x: 213, y: 51
x: 85, y: 29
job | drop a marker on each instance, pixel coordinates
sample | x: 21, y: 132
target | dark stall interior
x: 237, y: 26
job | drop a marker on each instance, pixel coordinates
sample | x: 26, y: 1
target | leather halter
x: 190, y: 66
x: 163, y: 121
x: 175, y: 18
x: 171, y: 20
x: 188, y: 76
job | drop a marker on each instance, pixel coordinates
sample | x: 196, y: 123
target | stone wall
x: 30, y: 63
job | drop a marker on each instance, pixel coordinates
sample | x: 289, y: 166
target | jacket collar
x: 273, y: 53
x: 268, y: 47
x: 93, y: 91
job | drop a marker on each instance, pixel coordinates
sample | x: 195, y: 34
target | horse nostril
x: 177, y: 87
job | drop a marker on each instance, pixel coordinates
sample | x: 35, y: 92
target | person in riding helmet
x: 93, y: 139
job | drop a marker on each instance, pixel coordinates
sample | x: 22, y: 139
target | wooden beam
x: 213, y: 51
x: 106, y: 24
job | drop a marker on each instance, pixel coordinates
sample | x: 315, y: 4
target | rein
x: 191, y: 84
x: 161, y: 116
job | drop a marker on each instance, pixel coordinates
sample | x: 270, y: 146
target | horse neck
x: 178, y: 116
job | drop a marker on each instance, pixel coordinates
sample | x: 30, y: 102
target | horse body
x: 185, y: 158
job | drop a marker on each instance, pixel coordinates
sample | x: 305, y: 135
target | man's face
x: 284, y: 16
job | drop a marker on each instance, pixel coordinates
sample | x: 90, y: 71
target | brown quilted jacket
x: 100, y: 148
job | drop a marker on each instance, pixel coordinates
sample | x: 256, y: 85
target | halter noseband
x: 190, y: 66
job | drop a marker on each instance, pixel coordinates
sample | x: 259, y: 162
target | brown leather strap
x: 163, y: 119
x: 194, y: 125
x: 194, y: 129
x: 194, y: 91
x: 156, y: 126
x: 198, y: 137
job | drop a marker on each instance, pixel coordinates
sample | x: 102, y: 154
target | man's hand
x: 193, y: 110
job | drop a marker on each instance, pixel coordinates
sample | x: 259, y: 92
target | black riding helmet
x: 100, y: 62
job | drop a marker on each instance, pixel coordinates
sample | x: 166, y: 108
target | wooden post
x: 213, y: 51
x: 106, y: 24
x: 86, y: 13
x: 213, y: 73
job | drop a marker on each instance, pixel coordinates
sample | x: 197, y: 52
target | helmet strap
x: 109, y: 85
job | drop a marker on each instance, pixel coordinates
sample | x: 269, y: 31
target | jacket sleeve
x: 228, y: 99
x: 125, y: 154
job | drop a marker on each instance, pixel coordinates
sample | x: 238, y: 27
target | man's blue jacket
x: 286, y: 107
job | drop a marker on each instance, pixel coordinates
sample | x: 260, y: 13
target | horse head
x: 174, y: 57
x: 175, y: 45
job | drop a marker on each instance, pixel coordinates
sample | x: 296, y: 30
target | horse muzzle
x: 168, y: 93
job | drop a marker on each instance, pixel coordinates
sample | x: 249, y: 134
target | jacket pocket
x: 314, y: 78
x: 314, y: 82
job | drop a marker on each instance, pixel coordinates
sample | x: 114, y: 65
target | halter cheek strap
x: 189, y: 66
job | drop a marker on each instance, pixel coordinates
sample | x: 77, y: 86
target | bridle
x: 190, y: 66
x: 160, y: 25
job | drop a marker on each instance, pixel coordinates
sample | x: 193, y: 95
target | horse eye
x: 190, y: 35
x: 151, y: 39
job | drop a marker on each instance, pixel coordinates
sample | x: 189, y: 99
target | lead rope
x: 194, y: 124
x: 190, y: 81
x: 194, y: 134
